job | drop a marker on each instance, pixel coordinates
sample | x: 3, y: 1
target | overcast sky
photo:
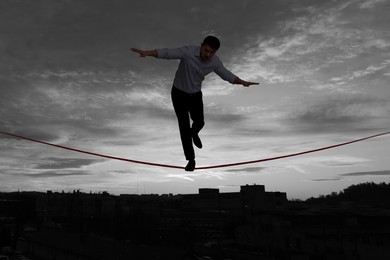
x: 67, y: 77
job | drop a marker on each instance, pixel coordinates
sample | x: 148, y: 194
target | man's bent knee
x: 198, y: 125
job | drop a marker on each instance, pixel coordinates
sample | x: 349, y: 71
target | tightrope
x: 197, y: 168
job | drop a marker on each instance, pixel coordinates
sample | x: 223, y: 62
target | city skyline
x: 68, y: 77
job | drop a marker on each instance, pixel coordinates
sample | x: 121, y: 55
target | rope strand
x: 198, y: 168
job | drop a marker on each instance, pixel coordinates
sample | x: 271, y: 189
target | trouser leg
x: 196, y: 113
x: 182, y: 108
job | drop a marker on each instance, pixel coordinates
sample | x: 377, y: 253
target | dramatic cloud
x: 329, y: 179
x: 65, y: 163
x: 372, y: 173
x: 58, y: 174
x: 67, y: 76
x: 342, y: 112
x: 248, y: 169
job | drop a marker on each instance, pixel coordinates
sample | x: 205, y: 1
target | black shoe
x: 196, y: 140
x: 190, y: 166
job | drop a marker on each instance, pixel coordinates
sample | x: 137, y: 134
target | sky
x: 67, y: 76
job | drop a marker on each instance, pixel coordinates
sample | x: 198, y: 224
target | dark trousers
x: 188, y: 106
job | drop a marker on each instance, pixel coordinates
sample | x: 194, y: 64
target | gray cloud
x: 58, y: 174
x: 68, y: 35
x: 31, y: 133
x: 124, y: 172
x: 65, y: 163
x: 69, y: 41
x: 39, y: 111
x: 67, y: 76
x: 353, y: 174
x: 326, y: 179
x: 371, y: 173
x: 341, y: 112
x: 338, y: 163
x: 248, y: 169
x: 223, y: 118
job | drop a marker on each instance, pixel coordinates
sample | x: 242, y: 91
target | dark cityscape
x: 194, y: 130
x: 250, y: 224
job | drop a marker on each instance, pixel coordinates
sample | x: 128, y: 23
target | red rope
x: 198, y: 168
x: 94, y: 154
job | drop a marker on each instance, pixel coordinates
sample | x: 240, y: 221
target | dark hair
x: 212, y: 41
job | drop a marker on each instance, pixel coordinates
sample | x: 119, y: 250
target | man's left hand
x: 244, y: 83
x: 249, y: 83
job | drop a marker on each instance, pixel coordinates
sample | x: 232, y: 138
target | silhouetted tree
x: 368, y: 192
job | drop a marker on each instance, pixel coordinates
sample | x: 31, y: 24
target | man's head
x: 209, y: 47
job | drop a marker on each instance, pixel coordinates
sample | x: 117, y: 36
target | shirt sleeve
x: 224, y: 73
x: 172, y: 54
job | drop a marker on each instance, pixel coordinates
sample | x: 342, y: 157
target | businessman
x: 196, y: 62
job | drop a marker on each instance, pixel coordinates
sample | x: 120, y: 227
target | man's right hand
x: 140, y: 52
x: 143, y: 54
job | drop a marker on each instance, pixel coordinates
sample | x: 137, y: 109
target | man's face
x: 206, y: 52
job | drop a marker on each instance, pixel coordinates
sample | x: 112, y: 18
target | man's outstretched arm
x: 244, y: 83
x: 152, y: 53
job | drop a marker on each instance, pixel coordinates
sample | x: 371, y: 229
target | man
x: 195, y: 63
